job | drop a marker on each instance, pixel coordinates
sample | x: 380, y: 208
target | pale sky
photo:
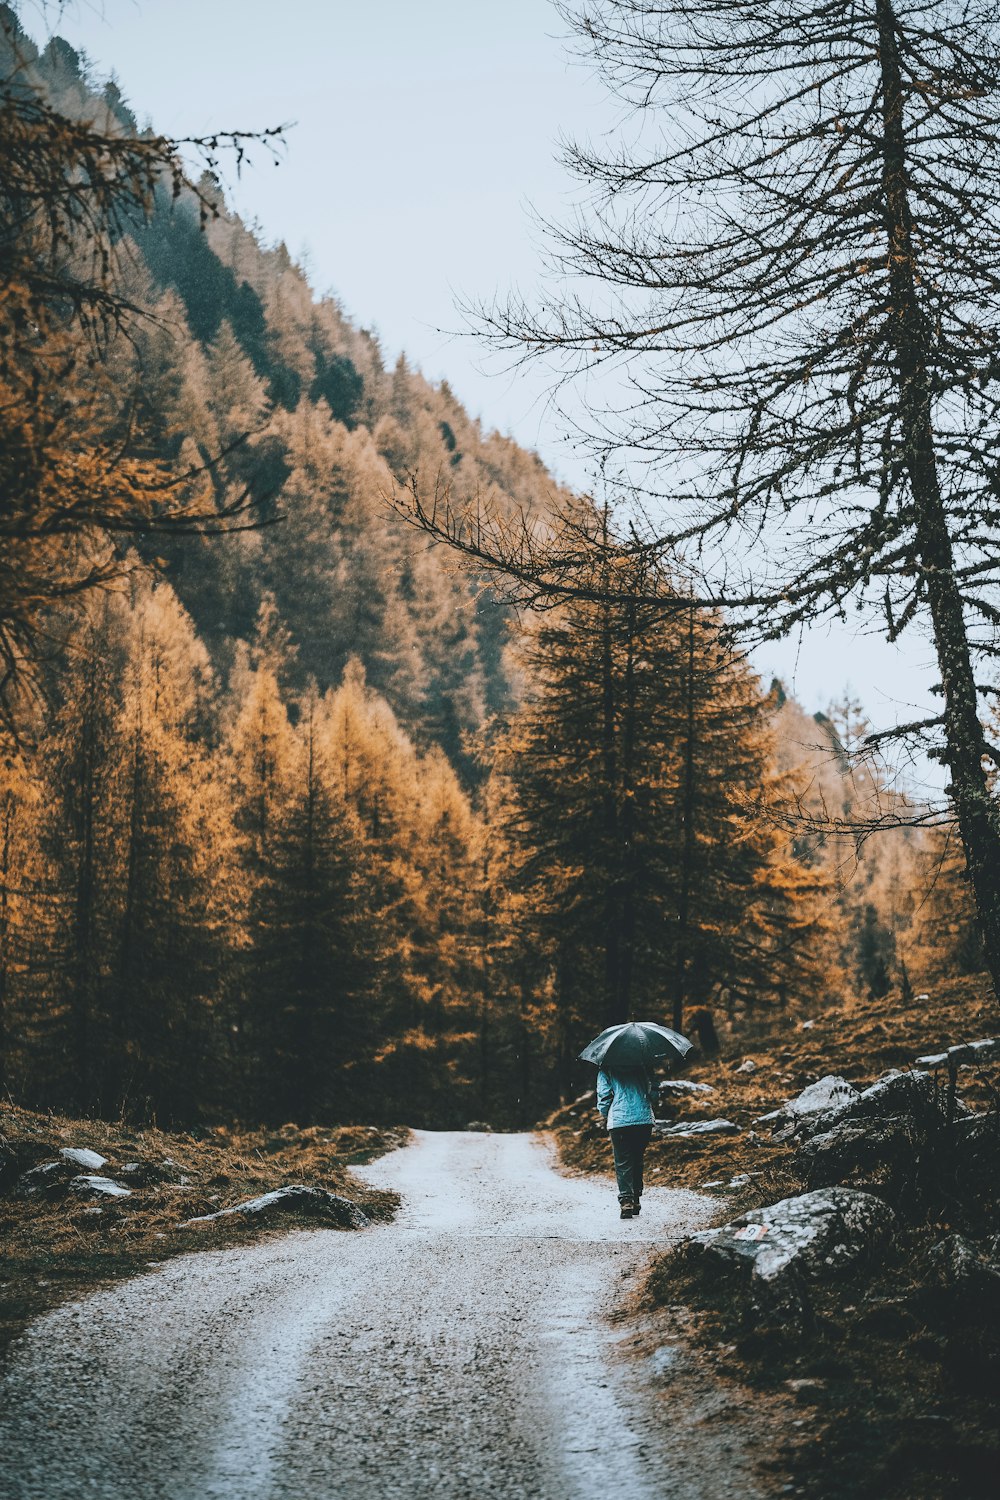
x: 424, y: 130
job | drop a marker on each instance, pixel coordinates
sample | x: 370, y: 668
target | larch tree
x: 71, y: 483
x: 788, y: 268
x: 633, y: 775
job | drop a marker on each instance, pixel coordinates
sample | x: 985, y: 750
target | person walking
x: 625, y: 1103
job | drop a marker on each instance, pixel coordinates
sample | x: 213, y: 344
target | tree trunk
x: 9, y: 805
x: 627, y: 829
x: 609, y: 768
x: 687, y: 842
x: 976, y: 810
x: 83, y: 983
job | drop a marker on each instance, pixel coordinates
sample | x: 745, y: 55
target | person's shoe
x: 627, y: 1210
x: 637, y: 1206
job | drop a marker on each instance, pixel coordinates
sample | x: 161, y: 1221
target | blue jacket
x: 625, y: 1097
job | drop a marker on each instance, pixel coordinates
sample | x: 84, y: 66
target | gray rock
x: 49, y: 1179
x: 963, y: 1265
x: 675, y: 1088
x: 296, y: 1198
x: 797, y: 1240
x: 746, y: 1066
x: 99, y: 1187
x: 806, y: 1389
x: 963, y: 1054
x: 82, y: 1159
x: 151, y: 1173
x: 856, y: 1146
x: 829, y: 1093
x: 910, y: 1094
x: 695, y: 1128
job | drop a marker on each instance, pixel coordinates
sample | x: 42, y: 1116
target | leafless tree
x: 787, y: 261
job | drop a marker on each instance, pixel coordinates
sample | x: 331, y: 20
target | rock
x: 909, y: 1094
x: 740, y: 1180
x: 151, y: 1173
x: 99, y: 1187
x: 296, y: 1198
x: 746, y: 1066
x: 831, y: 1093
x: 962, y: 1265
x: 797, y: 1240
x: 50, y: 1179
x: 806, y: 1389
x: 856, y: 1146
x: 666, y: 1359
x: 87, y: 1161
x: 901, y: 1093
x: 806, y: 1025
x: 716, y: 1184
x: 46, y: 1177
x: 695, y: 1128
x: 964, y: 1054
x: 677, y: 1087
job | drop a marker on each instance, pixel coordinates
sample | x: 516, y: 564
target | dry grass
x: 858, y: 1044
x: 901, y: 1404
x: 55, y: 1247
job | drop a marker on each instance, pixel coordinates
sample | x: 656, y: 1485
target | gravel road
x: 461, y: 1352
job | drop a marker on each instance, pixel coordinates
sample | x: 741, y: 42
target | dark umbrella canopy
x: 637, y: 1044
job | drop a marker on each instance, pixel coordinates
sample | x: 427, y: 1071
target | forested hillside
x: 238, y: 366
x: 296, y: 820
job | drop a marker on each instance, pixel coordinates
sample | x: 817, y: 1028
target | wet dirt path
x: 461, y: 1352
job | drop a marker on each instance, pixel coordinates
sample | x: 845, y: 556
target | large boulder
x: 314, y: 1202
x: 911, y: 1095
x: 857, y: 1146
x: 826, y: 1096
x: 782, y: 1248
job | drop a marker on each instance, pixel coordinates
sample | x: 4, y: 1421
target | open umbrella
x: 637, y: 1044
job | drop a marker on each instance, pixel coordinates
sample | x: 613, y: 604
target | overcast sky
x: 423, y: 131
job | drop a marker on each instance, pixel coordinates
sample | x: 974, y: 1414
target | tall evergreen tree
x: 634, y: 775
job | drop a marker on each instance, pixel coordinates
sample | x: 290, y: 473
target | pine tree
x: 635, y: 774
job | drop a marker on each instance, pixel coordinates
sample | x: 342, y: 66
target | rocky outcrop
x: 782, y: 1248
x: 297, y: 1198
x: 910, y: 1094
x: 903, y: 1130
x: 826, y: 1096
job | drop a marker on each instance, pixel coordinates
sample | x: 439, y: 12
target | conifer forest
x: 436, y: 878
x: 282, y: 783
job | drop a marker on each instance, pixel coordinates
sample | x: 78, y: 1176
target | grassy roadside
x: 894, y: 1373
x: 57, y: 1245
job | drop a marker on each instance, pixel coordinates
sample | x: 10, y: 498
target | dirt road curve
x: 459, y: 1353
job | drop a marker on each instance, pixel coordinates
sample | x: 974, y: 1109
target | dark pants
x: 629, y: 1144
